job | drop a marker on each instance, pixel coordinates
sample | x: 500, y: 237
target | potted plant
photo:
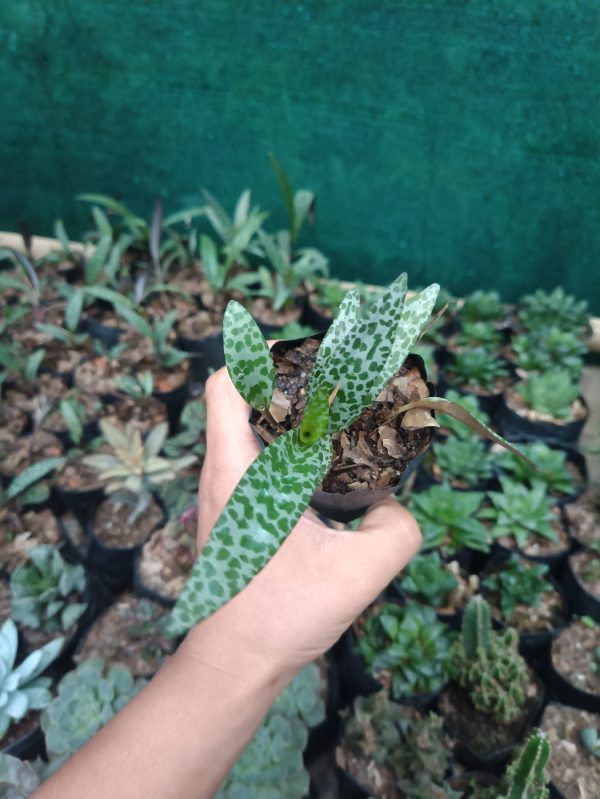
x: 477, y: 371
x: 573, y: 668
x: 543, y: 310
x: 574, y: 767
x: 581, y: 578
x: 493, y: 698
x: 465, y: 463
x: 165, y: 561
x: 356, y: 360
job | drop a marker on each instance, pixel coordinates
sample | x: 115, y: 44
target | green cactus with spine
x: 21, y: 687
x: 526, y: 776
x: 397, y: 738
x: 487, y: 665
x: 86, y: 699
x: 43, y: 588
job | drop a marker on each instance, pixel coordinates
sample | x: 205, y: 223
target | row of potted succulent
x: 149, y: 325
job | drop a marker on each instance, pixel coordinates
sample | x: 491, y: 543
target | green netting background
x: 458, y: 139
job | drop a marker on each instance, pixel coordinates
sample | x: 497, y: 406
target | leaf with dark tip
x: 249, y: 360
x: 264, y: 507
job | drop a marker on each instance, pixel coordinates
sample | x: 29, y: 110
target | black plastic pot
x: 175, y: 402
x: 324, y: 736
x: 512, y: 426
x: 107, y: 334
x: 584, y: 603
x: 555, y: 562
x: 425, y: 480
x: 487, y: 402
x: 206, y: 355
x: 141, y: 589
x: 564, y: 692
x: 555, y: 793
x: 31, y: 746
x: 348, y: 788
x: 313, y: 317
x: 78, y: 502
x: 90, y: 431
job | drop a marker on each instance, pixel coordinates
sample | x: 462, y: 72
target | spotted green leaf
x: 264, y: 507
x: 249, y: 362
x: 32, y: 474
x: 358, y: 359
x: 316, y: 416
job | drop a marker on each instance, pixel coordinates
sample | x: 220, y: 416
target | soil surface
x: 12, y: 417
x: 574, y: 656
x: 527, y: 618
x: 468, y: 586
x: 143, y: 414
x: 29, y: 449
x: 574, y: 770
x: 517, y: 404
x: 375, y: 451
x: 79, y: 476
x: 19, y: 532
x: 5, y: 600
x: 586, y: 567
x: 54, y: 421
x: 98, y: 375
x: 129, y: 632
x: 112, y: 526
x: 583, y: 516
x: 166, y: 559
x: 478, y: 731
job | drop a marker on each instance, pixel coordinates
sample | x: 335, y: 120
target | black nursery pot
x: 175, y: 402
x: 487, y: 402
x: 206, y: 355
x: 29, y: 747
x: 142, y: 590
x: 78, y: 502
x: 107, y: 334
x: 583, y: 601
x: 348, y: 788
x: 564, y: 692
x: 313, y: 317
x: 512, y: 426
x: 555, y: 561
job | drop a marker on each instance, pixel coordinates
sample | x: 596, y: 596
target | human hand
x: 318, y: 581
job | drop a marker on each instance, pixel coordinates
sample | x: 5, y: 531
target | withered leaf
x: 280, y: 405
x: 389, y: 439
x: 417, y: 418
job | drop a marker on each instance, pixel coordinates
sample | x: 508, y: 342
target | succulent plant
x: 521, y: 512
x: 547, y: 349
x: 136, y: 467
x: 552, y: 393
x: 43, y: 590
x: 451, y: 519
x: 190, y: 438
x: 271, y: 766
x: 545, y: 465
x: 21, y: 687
x: 518, y: 583
x: 478, y: 367
x: 526, y: 776
x: 410, y: 643
x: 590, y: 740
x: 356, y: 360
x: 487, y: 665
x: 482, y: 306
x: 465, y: 459
x: 471, y: 404
x: 86, y: 699
x: 396, y: 738
x: 426, y: 580
x: 478, y: 334
x: 18, y: 778
x: 543, y: 310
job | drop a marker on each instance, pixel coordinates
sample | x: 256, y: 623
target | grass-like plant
x: 357, y: 358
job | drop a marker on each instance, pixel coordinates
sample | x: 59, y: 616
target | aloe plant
x: 357, y: 358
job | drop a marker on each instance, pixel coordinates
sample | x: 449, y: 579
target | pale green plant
x: 552, y: 393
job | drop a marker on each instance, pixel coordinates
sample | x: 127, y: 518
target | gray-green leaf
x: 249, y: 361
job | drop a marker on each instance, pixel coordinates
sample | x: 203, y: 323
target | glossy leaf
x: 32, y: 474
x: 264, y: 507
x: 249, y: 361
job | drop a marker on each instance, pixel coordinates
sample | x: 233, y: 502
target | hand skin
x: 181, y: 735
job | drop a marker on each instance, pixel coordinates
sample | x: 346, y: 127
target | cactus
x: 86, y: 699
x: 21, y: 687
x: 41, y: 591
x: 526, y: 775
x: 487, y: 665
x: 397, y: 739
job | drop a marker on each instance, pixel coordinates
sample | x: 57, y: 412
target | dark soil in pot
x: 99, y: 374
x: 581, y: 578
x: 54, y: 422
x: 144, y: 414
x: 112, y: 526
x: 483, y: 742
x: 24, y: 739
x: 575, y: 675
x: 515, y: 419
x: 21, y: 531
x: 374, y: 454
x: 27, y: 450
x: 540, y: 548
x: 129, y: 632
x: 13, y: 418
x: 573, y: 770
x: 164, y: 563
x: 61, y: 359
x: 583, y: 517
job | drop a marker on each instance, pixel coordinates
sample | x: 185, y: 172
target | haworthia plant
x: 357, y: 358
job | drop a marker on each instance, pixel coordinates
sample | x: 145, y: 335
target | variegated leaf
x: 264, y: 507
x: 249, y: 361
x: 361, y: 356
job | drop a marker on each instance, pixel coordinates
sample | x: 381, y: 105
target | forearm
x: 181, y: 735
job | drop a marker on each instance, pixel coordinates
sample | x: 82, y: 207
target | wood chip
x: 389, y: 439
x: 280, y: 405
